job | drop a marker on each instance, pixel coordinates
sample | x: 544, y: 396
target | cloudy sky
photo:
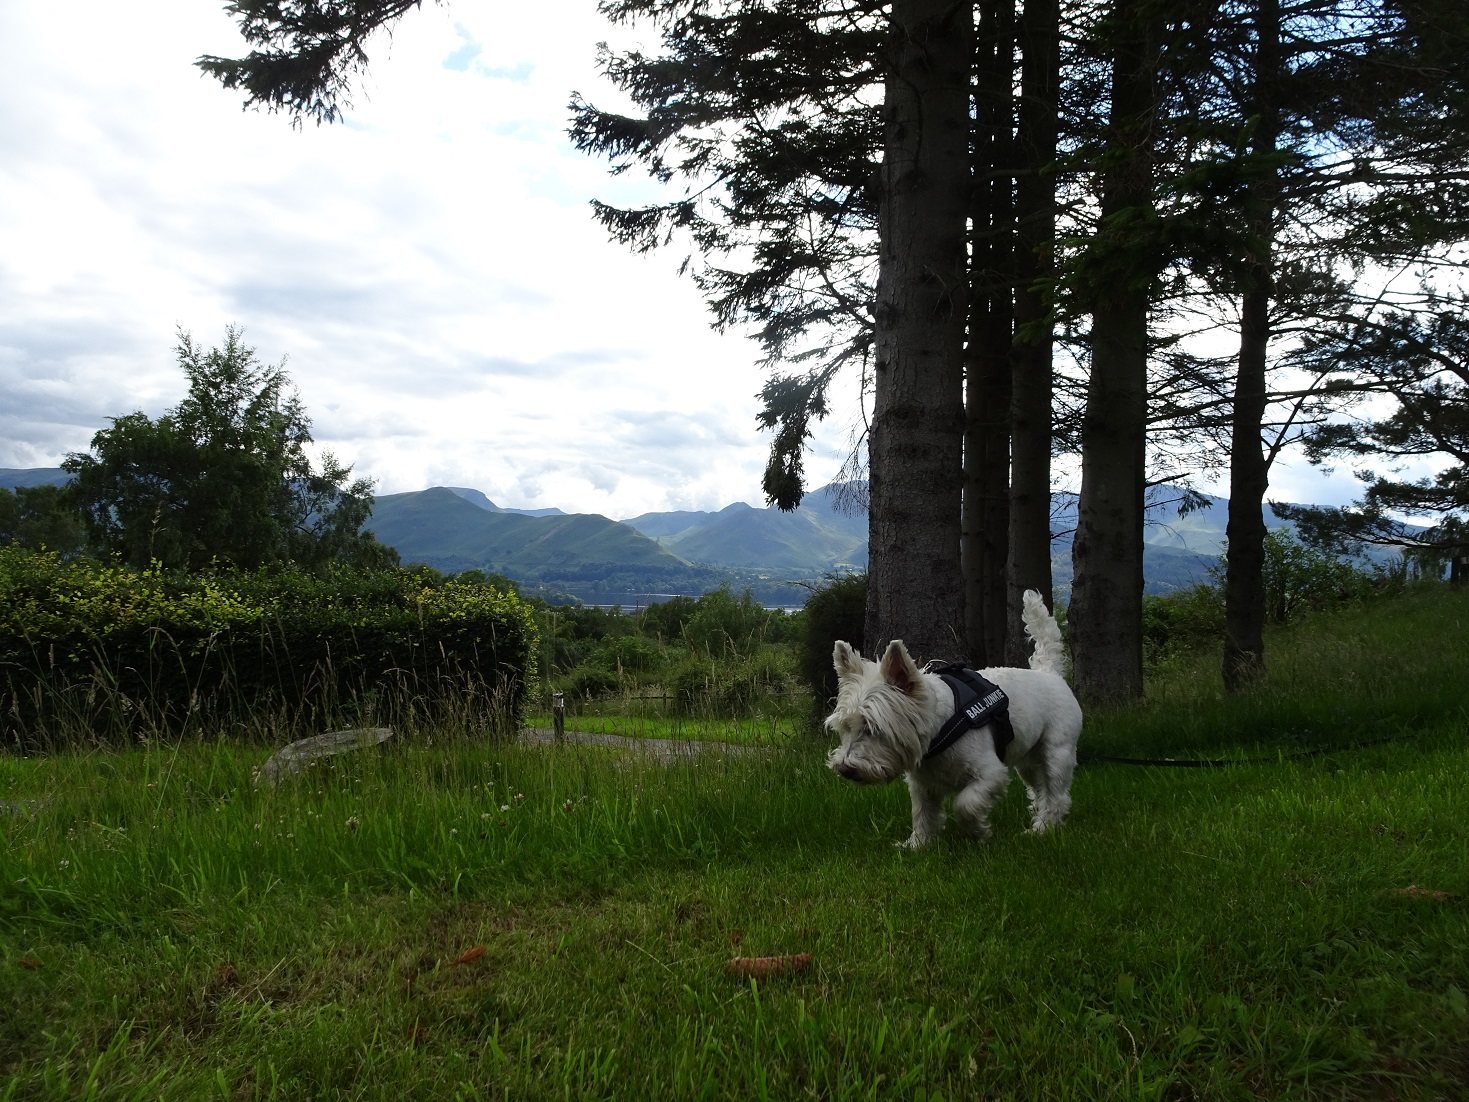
x: 430, y: 270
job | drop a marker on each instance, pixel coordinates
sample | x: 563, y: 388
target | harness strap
x: 977, y: 701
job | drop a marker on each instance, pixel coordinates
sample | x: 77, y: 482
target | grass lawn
x: 470, y: 921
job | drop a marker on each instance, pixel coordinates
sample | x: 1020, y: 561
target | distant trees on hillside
x: 41, y: 518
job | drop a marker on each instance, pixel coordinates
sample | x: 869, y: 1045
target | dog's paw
x: 913, y: 841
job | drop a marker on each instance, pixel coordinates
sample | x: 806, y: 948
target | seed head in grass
x: 889, y: 715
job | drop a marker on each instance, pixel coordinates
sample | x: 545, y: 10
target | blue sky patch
x: 519, y: 72
x: 469, y: 49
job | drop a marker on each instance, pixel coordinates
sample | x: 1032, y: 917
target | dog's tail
x: 1040, y: 625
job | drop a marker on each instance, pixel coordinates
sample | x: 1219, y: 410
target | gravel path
x: 665, y: 749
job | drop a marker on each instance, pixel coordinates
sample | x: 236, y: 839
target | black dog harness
x: 977, y: 701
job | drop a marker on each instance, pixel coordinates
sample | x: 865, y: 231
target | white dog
x: 889, y: 715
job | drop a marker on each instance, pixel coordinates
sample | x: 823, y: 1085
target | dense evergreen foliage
x: 1421, y: 360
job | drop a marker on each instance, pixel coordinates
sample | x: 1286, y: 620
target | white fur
x: 887, y: 712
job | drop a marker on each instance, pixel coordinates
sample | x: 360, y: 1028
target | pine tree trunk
x: 1107, y: 587
x: 1244, y: 570
x: 1031, y: 355
x: 987, y: 364
x: 1105, y: 616
x: 915, y: 587
x: 1249, y: 475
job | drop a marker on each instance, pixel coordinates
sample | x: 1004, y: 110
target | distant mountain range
x: 13, y: 477
x: 596, y: 559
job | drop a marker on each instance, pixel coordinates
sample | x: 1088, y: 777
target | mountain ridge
x: 658, y: 554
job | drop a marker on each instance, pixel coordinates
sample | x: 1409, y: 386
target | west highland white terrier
x: 952, y: 734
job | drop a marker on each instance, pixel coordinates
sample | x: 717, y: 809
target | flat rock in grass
x: 289, y: 759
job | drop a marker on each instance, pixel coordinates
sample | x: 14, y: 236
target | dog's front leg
x: 928, y: 813
x: 972, y: 804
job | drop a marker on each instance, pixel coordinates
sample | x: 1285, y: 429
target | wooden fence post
x: 558, y: 715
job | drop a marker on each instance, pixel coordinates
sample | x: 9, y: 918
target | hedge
x: 101, y: 652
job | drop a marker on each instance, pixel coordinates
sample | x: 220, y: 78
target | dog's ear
x: 898, y: 669
x: 846, y: 661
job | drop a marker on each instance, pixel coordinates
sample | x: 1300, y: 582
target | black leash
x: 1223, y: 763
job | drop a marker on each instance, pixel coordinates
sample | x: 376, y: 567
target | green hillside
x: 742, y: 536
x: 660, y: 526
x: 813, y: 540
x: 442, y: 529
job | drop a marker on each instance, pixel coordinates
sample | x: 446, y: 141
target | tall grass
x: 63, y: 709
x: 1370, y: 670
x: 167, y: 930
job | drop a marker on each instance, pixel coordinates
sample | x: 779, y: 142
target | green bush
x: 1298, y: 577
x: 666, y: 619
x: 1186, y: 619
x: 834, y: 611
x: 101, y: 651
x: 630, y: 654
x: 725, y: 624
x: 692, y: 684
x: 589, y: 683
x: 744, y: 685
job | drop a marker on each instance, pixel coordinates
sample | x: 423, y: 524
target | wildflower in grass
x: 567, y: 806
x: 65, y: 864
x: 504, y: 807
x: 519, y: 796
x: 352, y: 823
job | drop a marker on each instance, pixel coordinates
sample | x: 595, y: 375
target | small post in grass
x: 558, y: 715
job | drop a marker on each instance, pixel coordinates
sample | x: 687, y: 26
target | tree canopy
x: 224, y: 477
x: 41, y: 518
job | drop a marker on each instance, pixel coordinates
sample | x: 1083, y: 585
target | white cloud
x: 448, y: 308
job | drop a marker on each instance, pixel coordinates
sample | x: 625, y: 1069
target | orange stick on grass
x: 764, y: 968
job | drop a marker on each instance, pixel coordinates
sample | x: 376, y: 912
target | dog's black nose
x: 847, y: 771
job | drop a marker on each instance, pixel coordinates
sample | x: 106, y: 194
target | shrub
x: 733, y: 686
x: 744, y: 685
x: 691, y: 684
x: 724, y: 624
x: 100, y: 651
x: 666, y: 619
x: 834, y: 611
x: 629, y: 654
x: 1299, y: 577
x: 589, y: 683
x: 1185, y: 619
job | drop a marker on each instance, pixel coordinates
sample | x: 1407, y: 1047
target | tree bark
x: 991, y: 328
x: 1032, y: 376
x: 1244, y: 567
x: 915, y: 588
x: 1249, y: 473
x: 1107, y: 588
